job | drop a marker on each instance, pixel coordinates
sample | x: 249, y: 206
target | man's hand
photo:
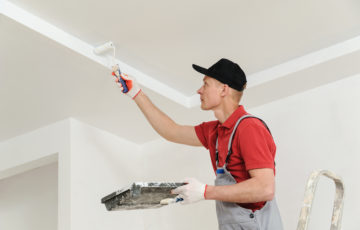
x: 192, y: 192
x: 131, y: 84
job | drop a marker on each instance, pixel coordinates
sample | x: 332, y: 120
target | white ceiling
x: 286, y: 47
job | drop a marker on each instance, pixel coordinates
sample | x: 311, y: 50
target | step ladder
x: 309, y: 197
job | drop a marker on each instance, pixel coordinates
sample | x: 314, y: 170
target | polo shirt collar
x: 230, y: 122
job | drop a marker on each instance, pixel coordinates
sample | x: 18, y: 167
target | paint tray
x: 140, y: 195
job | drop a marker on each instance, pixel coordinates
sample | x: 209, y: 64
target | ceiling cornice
x: 67, y: 40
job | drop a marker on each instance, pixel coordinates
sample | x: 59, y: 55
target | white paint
x: 29, y: 200
x: 317, y: 129
x: 167, y: 201
x: 46, y: 29
x: 39, y: 162
x: 304, y: 62
x: 37, y: 145
x: 52, y: 32
x: 38, y: 148
x: 104, y: 48
x: 98, y: 163
x: 101, y: 163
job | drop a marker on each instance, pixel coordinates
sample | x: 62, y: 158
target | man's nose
x: 199, y: 91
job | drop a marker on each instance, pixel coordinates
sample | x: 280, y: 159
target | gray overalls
x: 231, y: 215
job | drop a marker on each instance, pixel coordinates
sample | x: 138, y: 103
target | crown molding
x: 306, y: 61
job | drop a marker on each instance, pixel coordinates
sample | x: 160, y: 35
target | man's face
x: 210, y: 93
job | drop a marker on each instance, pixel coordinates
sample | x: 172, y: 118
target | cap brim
x: 200, y: 69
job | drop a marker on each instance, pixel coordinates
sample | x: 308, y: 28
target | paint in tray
x: 140, y: 195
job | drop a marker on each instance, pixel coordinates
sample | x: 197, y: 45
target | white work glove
x: 192, y: 192
x: 130, y: 83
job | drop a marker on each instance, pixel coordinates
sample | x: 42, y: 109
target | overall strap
x: 232, y: 136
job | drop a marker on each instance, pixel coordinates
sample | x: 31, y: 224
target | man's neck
x: 223, y: 113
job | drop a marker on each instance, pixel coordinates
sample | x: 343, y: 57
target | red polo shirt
x: 253, y: 146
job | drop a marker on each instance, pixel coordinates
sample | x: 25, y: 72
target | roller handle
x: 125, y: 88
x: 121, y: 80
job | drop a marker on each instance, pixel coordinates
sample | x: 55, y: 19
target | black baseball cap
x: 226, y: 72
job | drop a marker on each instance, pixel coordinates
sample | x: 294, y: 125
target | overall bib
x: 231, y: 215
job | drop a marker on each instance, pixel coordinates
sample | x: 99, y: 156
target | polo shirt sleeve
x: 257, y: 146
x: 203, y: 131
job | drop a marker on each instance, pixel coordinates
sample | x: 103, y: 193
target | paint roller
x: 99, y: 50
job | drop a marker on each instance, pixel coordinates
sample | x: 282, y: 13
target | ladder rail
x: 309, y: 197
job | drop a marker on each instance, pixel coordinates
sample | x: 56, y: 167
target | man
x: 241, y: 147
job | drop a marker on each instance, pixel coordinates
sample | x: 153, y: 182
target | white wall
x: 38, y: 148
x: 18, y: 152
x: 317, y: 129
x: 101, y: 163
x: 29, y: 200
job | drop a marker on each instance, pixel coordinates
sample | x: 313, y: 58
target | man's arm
x: 260, y: 187
x: 164, y: 125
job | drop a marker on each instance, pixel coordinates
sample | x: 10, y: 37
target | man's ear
x: 225, y: 90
